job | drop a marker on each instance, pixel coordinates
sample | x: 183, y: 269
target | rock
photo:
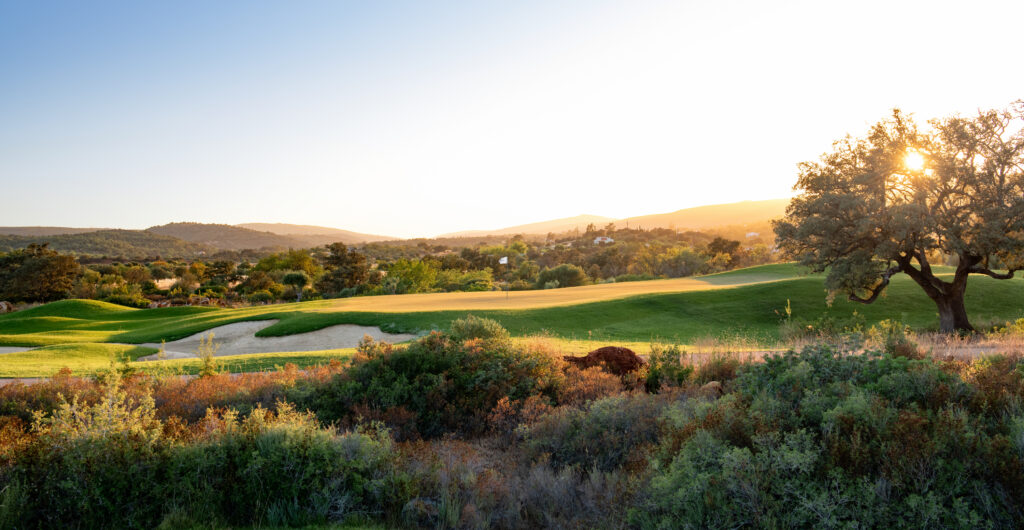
x: 712, y: 389
x: 6, y: 307
x: 613, y: 359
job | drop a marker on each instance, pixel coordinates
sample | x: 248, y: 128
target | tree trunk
x: 948, y: 296
x: 953, y: 314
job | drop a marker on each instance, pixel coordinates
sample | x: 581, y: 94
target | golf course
x: 745, y: 304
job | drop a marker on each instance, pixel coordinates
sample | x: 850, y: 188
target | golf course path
x: 239, y: 338
x: 13, y: 349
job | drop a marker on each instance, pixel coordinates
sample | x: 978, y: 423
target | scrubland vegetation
x: 468, y: 428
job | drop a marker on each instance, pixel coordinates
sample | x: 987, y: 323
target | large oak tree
x: 903, y: 196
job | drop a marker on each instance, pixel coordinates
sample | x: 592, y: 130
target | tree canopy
x: 36, y: 274
x: 904, y: 197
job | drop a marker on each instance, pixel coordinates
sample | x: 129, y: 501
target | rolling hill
x: 700, y: 217
x: 45, y: 230
x: 135, y: 244
x: 321, y: 234
x: 564, y: 224
x: 737, y: 213
x: 226, y: 237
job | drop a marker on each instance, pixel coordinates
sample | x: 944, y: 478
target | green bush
x: 92, y: 466
x: 442, y: 383
x: 281, y: 469
x: 824, y: 439
x: 111, y: 465
x: 665, y: 367
x: 565, y: 275
x: 129, y: 300
x: 261, y: 297
x: 894, y: 338
x: 485, y: 329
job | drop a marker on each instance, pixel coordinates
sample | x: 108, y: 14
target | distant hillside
x: 555, y: 225
x: 702, y: 217
x: 737, y: 213
x: 226, y: 237
x: 45, y: 230
x: 135, y: 244
x: 322, y: 235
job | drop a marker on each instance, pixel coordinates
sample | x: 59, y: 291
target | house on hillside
x: 603, y: 239
x: 753, y: 234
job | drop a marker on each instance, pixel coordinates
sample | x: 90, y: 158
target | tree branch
x: 978, y: 269
x: 877, y: 290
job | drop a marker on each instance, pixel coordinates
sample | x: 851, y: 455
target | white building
x: 603, y: 239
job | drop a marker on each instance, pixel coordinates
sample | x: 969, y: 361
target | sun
x: 914, y: 161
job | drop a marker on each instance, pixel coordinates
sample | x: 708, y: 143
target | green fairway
x: 79, y: 357
x: 746, y: 304
x: 256, y: 362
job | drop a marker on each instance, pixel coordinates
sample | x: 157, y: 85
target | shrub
x: 281, y: 469
x: 442, y: 383
x: 606, y: 435
x: 262, y: 296
x: 823, y: 439
x: 893, y: 337
x: 665, y: 367
x: 129, y: 300
x: 114, y: 464
x: 583, y: 386
x: 92, y: 465
x: 1012, y: 329
x: 718, y: 367
x: 457, y: 484
x: 485, y: 329
x: 564, y: 275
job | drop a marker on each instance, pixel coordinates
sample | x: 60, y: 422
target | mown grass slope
x: 747, y: 304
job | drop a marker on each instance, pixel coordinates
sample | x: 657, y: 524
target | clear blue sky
x: 417, y: 118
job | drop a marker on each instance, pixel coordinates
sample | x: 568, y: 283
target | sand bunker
x: 239, y: 338
x: 12, y: 349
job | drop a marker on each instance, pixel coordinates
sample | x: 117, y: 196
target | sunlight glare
x: 914, y: 161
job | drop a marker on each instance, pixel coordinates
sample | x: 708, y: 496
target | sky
x: 419, y: 118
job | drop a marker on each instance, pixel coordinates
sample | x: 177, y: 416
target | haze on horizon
x: 420, y: 118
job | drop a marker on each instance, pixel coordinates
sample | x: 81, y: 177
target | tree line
x: 38, y: 273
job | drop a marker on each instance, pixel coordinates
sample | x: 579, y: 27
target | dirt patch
x: 613, y: 359
x: 240, y: 338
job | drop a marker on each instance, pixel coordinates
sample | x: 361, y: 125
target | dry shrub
x: 19, y: 399
x: 190, y: 397
x: 719, y: 367
x: 476, y: 485
x: 508, y: 415
x: 996, y: 377
x: 582, y: 386
x: 14, y: 437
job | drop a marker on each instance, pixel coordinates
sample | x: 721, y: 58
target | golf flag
x: 503, y: 260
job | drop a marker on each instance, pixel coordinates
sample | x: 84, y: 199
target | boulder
x: 6, y: 307
x: 612, y: 359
